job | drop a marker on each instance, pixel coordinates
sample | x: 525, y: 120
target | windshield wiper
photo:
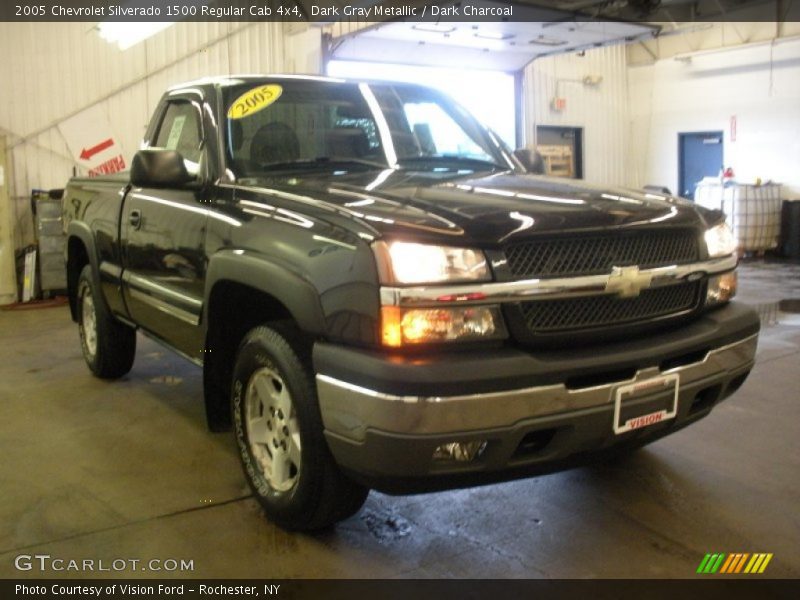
x: 321, y: 162
x: 460, y: 161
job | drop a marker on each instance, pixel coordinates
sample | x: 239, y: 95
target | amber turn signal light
x: 403, y: 326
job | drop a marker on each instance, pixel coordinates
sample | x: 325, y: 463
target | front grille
x: 589, y: 312
x: 598, y: 254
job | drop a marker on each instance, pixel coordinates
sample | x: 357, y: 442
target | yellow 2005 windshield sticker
x: 254, y: 100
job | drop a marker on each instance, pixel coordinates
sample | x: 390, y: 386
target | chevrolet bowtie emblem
x: 627, y: 282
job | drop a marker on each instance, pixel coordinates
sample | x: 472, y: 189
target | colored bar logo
x: 737, y: 562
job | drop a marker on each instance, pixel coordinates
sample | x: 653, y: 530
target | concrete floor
x: 100, y: 470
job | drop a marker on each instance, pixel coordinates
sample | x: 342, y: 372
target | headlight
x: 410, y: 263
x: 720, y: 241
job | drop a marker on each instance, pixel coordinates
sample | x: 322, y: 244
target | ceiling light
x: 494, y: 35
x: 127, y: 34
x: 547, y: 41
x: 434, y: 27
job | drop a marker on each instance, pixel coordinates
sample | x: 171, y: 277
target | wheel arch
x: 80, y: 251
x: 244, y: 290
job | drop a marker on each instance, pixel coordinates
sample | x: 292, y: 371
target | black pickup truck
x: 381, y: 296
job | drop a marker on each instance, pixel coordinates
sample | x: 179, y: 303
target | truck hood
x: 485, y: 210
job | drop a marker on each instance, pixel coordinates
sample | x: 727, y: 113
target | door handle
x: 135, y: 218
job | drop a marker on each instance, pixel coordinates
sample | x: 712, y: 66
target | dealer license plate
x: 645, y: 403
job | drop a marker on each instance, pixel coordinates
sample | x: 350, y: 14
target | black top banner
x: 330, y: 11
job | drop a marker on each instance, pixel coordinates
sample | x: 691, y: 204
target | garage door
x: 475, y: 44
x: 474, y: 61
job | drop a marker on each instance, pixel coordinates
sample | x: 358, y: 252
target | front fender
x: 252, y: 269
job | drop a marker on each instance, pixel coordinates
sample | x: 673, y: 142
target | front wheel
x: 278, y: 431
x: 109, y: 346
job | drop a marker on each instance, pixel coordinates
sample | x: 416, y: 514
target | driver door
x: 163, y: 233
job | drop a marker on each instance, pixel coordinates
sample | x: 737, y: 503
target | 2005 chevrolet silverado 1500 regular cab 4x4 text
x: 382, y: 297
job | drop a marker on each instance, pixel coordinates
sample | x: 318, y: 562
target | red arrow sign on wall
x: 88, y: 153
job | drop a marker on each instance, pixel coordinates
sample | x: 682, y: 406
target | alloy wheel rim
x: 89, y: 322
x: 273, y: 432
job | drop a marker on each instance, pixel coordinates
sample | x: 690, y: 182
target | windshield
x: 305, y: 124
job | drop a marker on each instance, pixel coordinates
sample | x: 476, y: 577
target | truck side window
x: 180, y: 131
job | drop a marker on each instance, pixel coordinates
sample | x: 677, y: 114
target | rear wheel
x: 278, y: 431
x: 109, y: 346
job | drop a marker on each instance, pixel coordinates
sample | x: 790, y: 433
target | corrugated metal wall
x: 600, y: 110
x: 343, y: 28
x: 54, y: 70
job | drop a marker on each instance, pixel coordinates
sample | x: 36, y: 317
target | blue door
x: 699, y: 155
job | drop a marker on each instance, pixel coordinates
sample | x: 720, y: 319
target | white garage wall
x: 601, y: 110
x: 59, y: 69
x: 760, y: 85
x: 680, y: 38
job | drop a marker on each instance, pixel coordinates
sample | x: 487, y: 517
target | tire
x: 279, y: 435
x: 109, y: 346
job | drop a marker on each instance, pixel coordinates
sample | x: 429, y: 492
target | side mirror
x: 530, y: 159
x: 157, y: 167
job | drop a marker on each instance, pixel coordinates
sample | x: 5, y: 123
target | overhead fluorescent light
x: 434, y: 27
x: 127, y: 34
x: 543, y: 40
x: 498, y: 36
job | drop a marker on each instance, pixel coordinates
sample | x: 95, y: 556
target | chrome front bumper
x: 349, y: 411
x: 386, y: 415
